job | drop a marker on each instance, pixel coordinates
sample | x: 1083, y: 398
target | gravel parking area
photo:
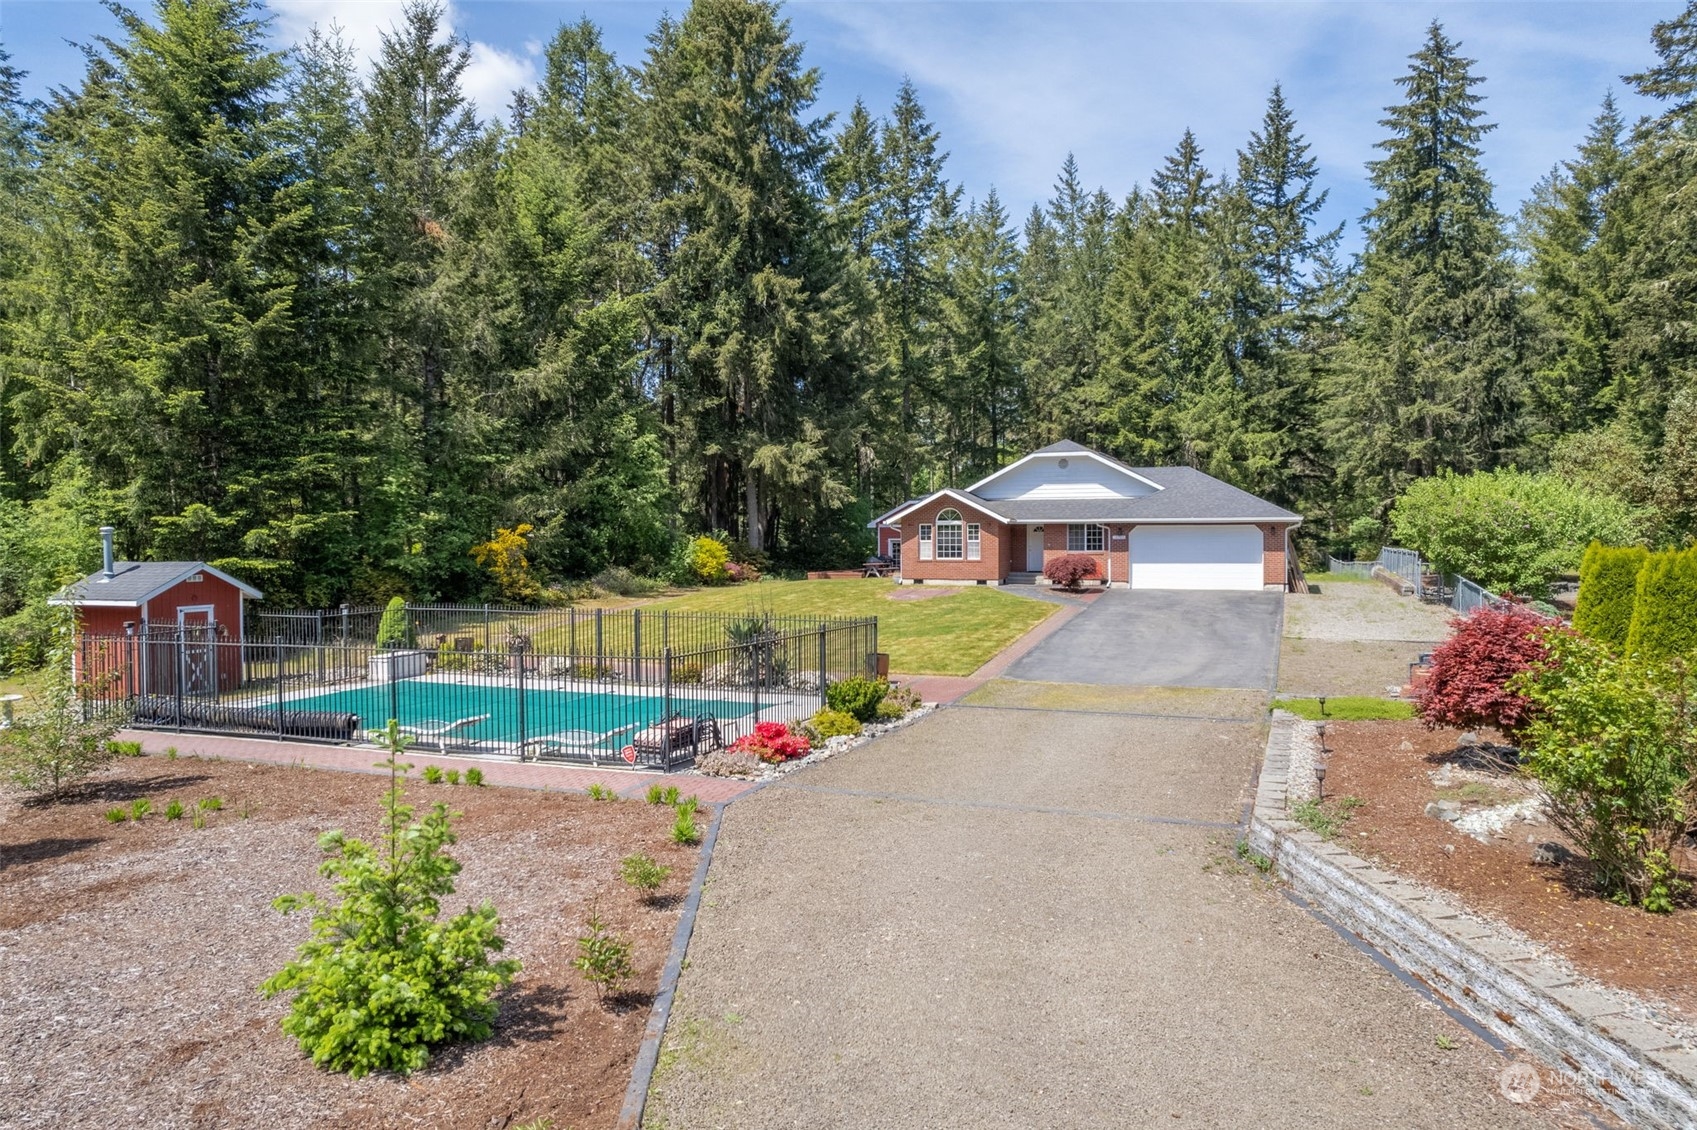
x: 1339, y: 667
x: 1020, y: 918
x: 1349, y: 611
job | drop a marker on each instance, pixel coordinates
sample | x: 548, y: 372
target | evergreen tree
x: 744, y: 304
x: 1573, y: 247
x: 1428, y: 378
x: 17, y: 174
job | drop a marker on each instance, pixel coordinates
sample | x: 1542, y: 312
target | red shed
x: 144, y: 597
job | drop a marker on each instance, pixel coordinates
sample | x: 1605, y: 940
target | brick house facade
x: 1146, y: 527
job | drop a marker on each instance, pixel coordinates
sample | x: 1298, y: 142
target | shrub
x: 1508, y: 530
x: 383, y: 979
x: 453, y: 776
x: 174, y: 810
x: 773, y: 742
x: 643, y: 873
x: 654, y: 795
x: 124, y: 749
x: 1471, y: 671
x: 394, y: 630
x: 707, y: 560
x: 828, y: 723
x: 742, y: 572
x: 601, y: 792
x: 504, y: 555
x: 432, y: 775
x: 603, y: 957
x: 857, y: 696
x: 684, y: 830
x: 117, y: 814
x: 1613, y: 741
x: 670, y: 795
x: 1325, y: 818
x: 622, y: 582
x: 1608, y: 589
x: 474, y: 778
x: 688, y: 671
x: 1069, y: 569
x: 140, y: 807
x: 52, y: 745
x: 211, y: 804
x: 1664, y: 613
x: 889, y: 710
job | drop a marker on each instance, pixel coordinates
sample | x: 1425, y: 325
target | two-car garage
x: 1196, y: 557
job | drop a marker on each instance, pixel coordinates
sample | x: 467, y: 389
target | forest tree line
x: 325, y: 328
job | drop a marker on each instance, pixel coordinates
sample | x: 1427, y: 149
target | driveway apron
x: 1161, y: 638
x: 1036, y: 918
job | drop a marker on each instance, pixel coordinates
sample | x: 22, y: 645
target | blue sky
x: 1015, y: 86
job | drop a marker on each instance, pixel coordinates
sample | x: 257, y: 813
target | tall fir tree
x: 1428, y: 378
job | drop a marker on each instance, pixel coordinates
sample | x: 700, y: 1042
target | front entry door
x: 197, y: 652
x: 1034, y: 549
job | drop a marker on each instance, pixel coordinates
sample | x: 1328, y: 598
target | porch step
x: 1022, y: 578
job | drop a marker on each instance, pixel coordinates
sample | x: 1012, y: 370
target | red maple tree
x: 1471, y: 670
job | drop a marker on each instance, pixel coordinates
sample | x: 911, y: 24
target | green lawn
x: 953, y: 633
x: 1347, y: 708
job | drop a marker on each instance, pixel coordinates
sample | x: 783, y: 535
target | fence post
x: 318, y: 641
x: 181, y: 675
x: 636, y: 644
x: 129, y: 665
x: 600, y: 644
x: 571, y: 642
x: 754, y: 666
x: 394, y: 687
x: 666, y: 707
x: 519, y: 660
x: 278, y: 640
x: 488, y: 640
x: 824, y: 680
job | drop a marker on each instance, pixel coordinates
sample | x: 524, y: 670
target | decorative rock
x: 1444, y: 777
x: 1449, y: 849
x: 1548, y: 853
x: 1469, y: 738
x: 1446, y: 810
x: 1406, y: 745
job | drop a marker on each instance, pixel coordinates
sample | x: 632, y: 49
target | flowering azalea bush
x: 1471, y: 671
x: 774, y: 742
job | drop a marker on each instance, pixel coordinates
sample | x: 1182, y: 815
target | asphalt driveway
x: 1164, y: 638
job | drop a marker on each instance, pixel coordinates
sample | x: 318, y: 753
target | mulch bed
x: 130, y: 954
x: 1551, y: 903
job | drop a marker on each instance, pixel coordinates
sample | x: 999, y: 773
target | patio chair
x: 432, y: 730
x: 575, y: 745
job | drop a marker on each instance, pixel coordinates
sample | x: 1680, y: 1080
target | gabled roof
x: 1064, y: 447
x: 885, y: 516
x: 134, y: 583
x: 965, y: 498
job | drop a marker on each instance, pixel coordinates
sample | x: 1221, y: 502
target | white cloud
x: 489, y: 79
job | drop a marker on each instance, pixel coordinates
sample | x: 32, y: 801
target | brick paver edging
x: 1640, y: 1072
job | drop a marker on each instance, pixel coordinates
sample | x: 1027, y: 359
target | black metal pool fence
x: 615, y: 688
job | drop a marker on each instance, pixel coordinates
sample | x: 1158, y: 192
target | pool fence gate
x: 609, y: 687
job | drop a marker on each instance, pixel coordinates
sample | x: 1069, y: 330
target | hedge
x: 1608, y: 591
x: 1664, y: 616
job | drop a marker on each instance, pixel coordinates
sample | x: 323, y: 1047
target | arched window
x: 951, y: 535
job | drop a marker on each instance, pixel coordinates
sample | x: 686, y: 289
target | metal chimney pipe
x: 106, y: 533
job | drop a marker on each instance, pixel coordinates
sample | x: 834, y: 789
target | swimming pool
x: 541, y: 712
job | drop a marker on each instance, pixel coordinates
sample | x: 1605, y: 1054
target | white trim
x: 211, y: 611
x: 1113, y: 464
x: 962, y: 497
x: 974, y: 541
x: 926, y: 542
x: 1124, y: 521
x: 884, y: 518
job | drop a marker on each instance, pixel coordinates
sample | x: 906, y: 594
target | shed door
x: 1196, y: 557
x: 198, y: 652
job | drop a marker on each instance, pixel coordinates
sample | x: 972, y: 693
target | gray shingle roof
x: 1186, y: 495
x: 133, y: 582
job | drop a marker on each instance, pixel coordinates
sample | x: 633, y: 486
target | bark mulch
x: 130, y: 954
x: 1551, y: 903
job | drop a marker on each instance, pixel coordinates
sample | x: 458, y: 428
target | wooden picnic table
x: 879, y: 569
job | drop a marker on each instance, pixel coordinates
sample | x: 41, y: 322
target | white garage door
x: 1196, y: 557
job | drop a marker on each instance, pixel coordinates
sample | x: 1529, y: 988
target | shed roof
x: 134, y: 583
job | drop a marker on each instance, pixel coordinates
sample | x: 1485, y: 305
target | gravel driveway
x: 1035, y: 918
x: 1363, y: 610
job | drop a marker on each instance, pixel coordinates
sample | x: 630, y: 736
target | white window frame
x: 951, y: 535
x: 974, y: 542
x: 925, y: 545
x: 1081, y: 537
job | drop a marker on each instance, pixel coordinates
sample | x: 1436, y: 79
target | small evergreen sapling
x: 384, y: 979
x: 603, y: 957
